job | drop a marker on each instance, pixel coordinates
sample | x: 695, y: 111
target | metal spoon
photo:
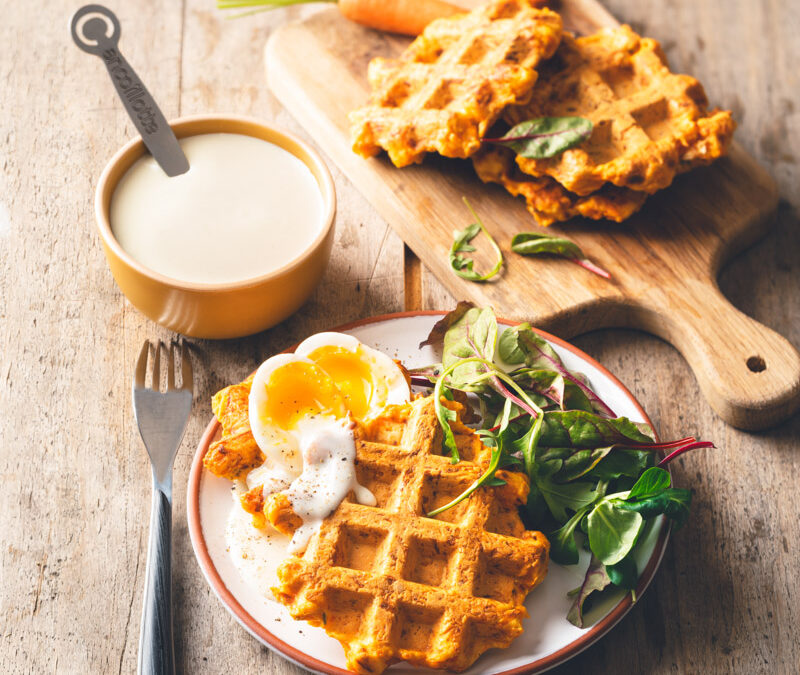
x: 89, y: 31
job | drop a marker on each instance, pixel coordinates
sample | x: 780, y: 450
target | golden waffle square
x: 453, y: 81
x: 393, y: 585
x: 549, y: 202
x: 647, y: 120
x: 236, y: 453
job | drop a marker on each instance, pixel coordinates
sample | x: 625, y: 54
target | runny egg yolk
x: 354, y: 376
x: 298, y: 390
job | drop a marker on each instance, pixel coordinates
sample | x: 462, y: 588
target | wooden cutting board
x: 664, y: 261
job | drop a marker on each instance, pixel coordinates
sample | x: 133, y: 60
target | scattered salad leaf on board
x: 545, y: 136
x: 534, y: 243
x: 464, y: 267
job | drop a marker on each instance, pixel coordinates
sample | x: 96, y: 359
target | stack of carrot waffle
x: 649, y: 124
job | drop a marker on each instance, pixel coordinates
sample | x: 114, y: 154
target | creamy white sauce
x: 245, y: 208
x: 256, y: 554
x: 329, y: 473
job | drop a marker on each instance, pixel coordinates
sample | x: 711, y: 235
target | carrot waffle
x: 236, y: 452
x: 392, y: 584
x: 453, y: 81
x: 649, y: 123
x: 550, y: 202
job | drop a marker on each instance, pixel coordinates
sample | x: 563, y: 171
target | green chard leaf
x: 534, y: 243
x: 473, y: 334
x: 520, y: 344
x: 436, y: 336
x: 624, y: 574
x: 554, y: 387
x: 613, y: 531
x: 596, y: 579
x: 545, y: 136
x: 464, y: 267
x: 576, y: 463
x: 581, y: 429
x: 621, y: 461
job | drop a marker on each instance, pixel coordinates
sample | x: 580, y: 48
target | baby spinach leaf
x: 612, y: 531
x: 545, y: 136
x: 596, y: 579
x: 562, y: 542
x: 674, y: 503
x: 650, y: 483
x: 462, y: 266
x: 564, y: 497
x: 624, y: 574
x: 621, y: 462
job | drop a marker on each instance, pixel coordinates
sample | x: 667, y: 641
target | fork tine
x: 171, y: 368
x: 141, y: 365
x: 186, y: 367
x: 155, y: 381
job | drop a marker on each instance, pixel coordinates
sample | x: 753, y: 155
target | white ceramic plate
x: 548, y: 638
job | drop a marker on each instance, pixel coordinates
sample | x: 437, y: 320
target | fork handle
x: 156, y: 656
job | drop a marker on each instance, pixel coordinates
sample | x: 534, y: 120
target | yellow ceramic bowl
x: 218, y: 310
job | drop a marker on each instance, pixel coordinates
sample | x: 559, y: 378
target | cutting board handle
x: 749, y: 373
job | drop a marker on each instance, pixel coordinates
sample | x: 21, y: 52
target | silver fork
x: 162, y: 419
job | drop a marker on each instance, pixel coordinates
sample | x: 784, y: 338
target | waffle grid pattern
x: 453, y: 81
x: 550, y: 202
x: 649, y: 124
x: 392, y: 584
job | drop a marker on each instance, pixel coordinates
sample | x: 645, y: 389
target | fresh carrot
x: 408, y: 17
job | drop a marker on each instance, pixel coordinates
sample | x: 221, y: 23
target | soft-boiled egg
x: 368, y: 379
x: 302, y: 409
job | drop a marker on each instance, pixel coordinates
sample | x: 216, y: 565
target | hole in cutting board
x: 756, y: 364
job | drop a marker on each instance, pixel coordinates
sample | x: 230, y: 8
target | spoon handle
x: 90, y: 35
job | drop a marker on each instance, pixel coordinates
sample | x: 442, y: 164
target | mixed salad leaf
x: 545, y: 137
x: 596, y: 479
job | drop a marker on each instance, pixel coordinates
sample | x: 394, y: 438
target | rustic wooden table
x: 75, y: 495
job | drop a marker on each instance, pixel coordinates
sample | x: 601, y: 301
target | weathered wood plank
x: 75, y: 479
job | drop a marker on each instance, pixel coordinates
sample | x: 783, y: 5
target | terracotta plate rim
x: 300, y: 658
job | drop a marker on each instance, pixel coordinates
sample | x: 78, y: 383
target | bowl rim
x: 136, y: 148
